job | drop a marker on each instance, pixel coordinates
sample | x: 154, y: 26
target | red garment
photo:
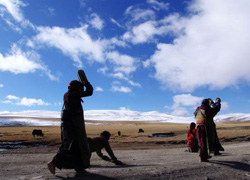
x: 202, y: 140
x: 191, y: 138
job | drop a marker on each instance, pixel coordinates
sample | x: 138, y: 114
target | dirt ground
x: 152, y: 163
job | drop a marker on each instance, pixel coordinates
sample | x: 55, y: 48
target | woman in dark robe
x: 74, y: 152
x: 204, y: 133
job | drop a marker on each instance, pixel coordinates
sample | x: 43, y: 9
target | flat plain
x: 144, y: 156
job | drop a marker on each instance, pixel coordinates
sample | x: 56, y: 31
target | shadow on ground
x: 86, y: 176
x: 233, y: 164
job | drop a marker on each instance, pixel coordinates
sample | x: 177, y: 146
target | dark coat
x: 74, y: 152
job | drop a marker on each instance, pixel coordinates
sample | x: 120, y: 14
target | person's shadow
x: 86, y: 176
x: 234, y: 165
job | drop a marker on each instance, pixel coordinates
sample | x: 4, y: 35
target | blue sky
x: 139, y: 55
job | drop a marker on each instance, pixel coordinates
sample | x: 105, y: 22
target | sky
x: 140, y: 55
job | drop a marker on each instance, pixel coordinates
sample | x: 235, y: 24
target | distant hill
x: 48, y: 118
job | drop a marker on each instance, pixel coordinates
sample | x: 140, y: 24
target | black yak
x: 37, y: 132
x: 141, y: 131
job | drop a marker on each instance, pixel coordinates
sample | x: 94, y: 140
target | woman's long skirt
x: 74, y: 151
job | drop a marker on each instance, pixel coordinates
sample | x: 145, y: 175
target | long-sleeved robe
x: 74, y: 152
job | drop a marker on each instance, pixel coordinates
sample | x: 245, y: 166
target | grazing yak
x: 37, y: 132
x: 141, y: 131
x: 119, y: 133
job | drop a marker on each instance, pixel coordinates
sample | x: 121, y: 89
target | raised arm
x: 88, y: 91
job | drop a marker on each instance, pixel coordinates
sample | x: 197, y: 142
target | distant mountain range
x: 51, y: 118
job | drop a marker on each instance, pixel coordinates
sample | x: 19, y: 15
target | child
x: 192, y: 143
x: 96, y: 144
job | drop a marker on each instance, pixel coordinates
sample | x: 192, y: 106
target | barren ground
x: 144, y: 157
x: 158, y: 163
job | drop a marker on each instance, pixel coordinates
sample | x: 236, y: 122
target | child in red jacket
x: 192, y: 143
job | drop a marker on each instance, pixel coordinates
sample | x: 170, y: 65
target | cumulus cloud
x: 73, y: 42
x: 32, y: 102
x: 147, y: 31
x: 183, y: 101
x: 122, y: 63
x: 186, y: 100
x: 11, y: 99
x: 122, y: 89
x: 18, y: 62
x: 210, y: 50
x: 77, y: 43
x: 180, y: 111
x: 123, y: 66
x: 116, y: 87
x: 1, y: 85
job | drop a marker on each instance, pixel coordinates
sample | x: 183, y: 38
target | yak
x: 140, y: 131
x: 37, y: 132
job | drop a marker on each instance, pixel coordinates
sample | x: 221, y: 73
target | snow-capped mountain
x: 51, y: 118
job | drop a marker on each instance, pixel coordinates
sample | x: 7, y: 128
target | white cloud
x: 18, y: 62
x: 96, y: 21
x: 1, y: 85
x: 118, y: 88
x: 99, y: 89
x: 11, y: 97
x: 135, y: 84
x: 13, y: 8
x: 224, y: 106
x: 114, y: 41
x: 183, y: 101
x: 103, y: 70
x: 122, y: 63
x: 13, y: 26
x: 73, y: 42
x: 158, y: 5
x: 32, y: 102
x: 7, y: 102
x: 147, y: 31
x: 186, y: 100
x: 115, y: 22
x: 141, y: 33
x: 138, y: 14
x: 210, y: 50
x: 180, y: 111
x: 122, y: 89
x: 118, y: 75
x: 77, y: 43
x: 124, y: 109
